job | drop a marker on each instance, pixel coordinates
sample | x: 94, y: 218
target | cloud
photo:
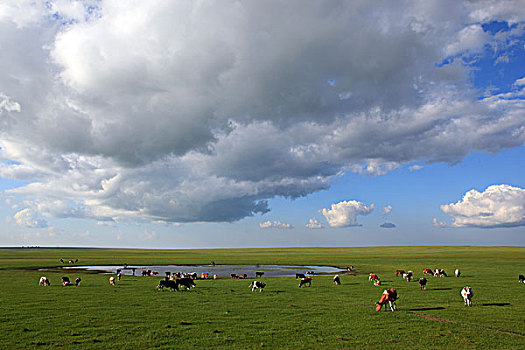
x: 202, y: 112
x: 275, y: 224
x: 314, y: 223
x: 437, y: 223
x: 387, y: 225
x: 415, y: 167
x: 387, y: 210
x: 344, y: 214
x: 28, y: 218
x: 497, y: 206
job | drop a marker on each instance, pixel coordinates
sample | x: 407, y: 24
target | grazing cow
x: 305, y: 281
x: 350, y: 268
x: 373, y: 277
x: 440, y: 273
x: 118, y: 276
x: 233, y: 275
x: 457, y: 272
x: 337, y: 281
x: 243, y: 276
x: 185, y: 282
x: 408, y: 276
x: 467, y: 295
x: 144, y: 273
x: 423, y: 283
x: 66, y: 281
x: 168, y: 284
x: 521, y: 278
x: 204, y: 275
x: 310, y: 273
x: 259, y: 273
x: 400, y: 272
x: 299, y: 275
x: 427, y: 271
x: 44, y: 282
x: 112, y: 281
x: 62, y: 261
x: 257, y: 284
x: 390, y: 296
x: 77, y: 281
x: 154, y: 273
x: 193, y: 275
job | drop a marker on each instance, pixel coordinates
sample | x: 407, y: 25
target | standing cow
x: 305, y: 281
x: 390, y: 296
x: 112, y: 281
x: 257, y: 285
x: 467, y: 295
x: 423, y: 283
x: 457, y: 272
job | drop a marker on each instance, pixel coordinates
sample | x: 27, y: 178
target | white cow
x: 44, y: 281
x: 467, y: 295
x: 112, y: 280
x: 457, y: 272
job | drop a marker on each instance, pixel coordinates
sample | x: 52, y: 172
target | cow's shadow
x: 427, y: 308
x: 495, y: 304
x: 440, y: 288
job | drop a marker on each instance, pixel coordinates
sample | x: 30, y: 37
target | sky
x: 190, y: 124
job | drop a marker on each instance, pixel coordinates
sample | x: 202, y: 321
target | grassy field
x: 225, y: 313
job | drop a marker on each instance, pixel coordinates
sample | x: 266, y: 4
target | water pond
x: 219, y: 270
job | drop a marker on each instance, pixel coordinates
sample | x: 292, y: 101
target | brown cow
x: 390, y: 296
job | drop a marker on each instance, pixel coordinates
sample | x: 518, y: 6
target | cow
x: 192, y: 275
x: 257, y: 285
x: 185, y: 282
x: 243, y: 276
x: 62, y: 261
x: 350, y: 268
x: 423, y: 283
x: 168, y: 284
x: 337, y: 281
x: 311, y: 273
x: 299, y: 275
x: 467, y: 295
x: 373, y: 277
x: 204, y: 275
x: 390, y: 296
x: 44, y: 281
x: 259, y: 273
x: 521, y: 279
x: 233, y: 275
x: 77, y: 281
x: 154, y: 273
x: 440, y: 273
x: 305, y: 281
x: 408, y: 276
x: 427, y: 271
x: 119, y: 275
x: 66, y: 281
x: 112, y: 281
x: 457, y: 272
x: 400, y: 272
x: 145, y: 273
x: 214, y: 277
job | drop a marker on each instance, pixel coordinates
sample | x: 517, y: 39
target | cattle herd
x: 177, y: 281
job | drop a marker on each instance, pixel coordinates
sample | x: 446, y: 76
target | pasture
x: 224, y: 313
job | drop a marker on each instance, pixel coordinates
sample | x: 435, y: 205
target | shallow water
x: 219, y: 270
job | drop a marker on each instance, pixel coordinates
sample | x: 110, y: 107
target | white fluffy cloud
x: 344, y: 214
x: 497, y: 206
x: 314, y: 223
x: 28, y: 218
x: 202, y: 111
x: 275, y: 224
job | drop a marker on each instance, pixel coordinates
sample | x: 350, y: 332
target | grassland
x: 226, y: 314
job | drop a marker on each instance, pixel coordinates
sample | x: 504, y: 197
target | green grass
x: 226, y: 314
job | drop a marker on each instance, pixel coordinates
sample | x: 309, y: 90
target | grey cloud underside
x: 202, y: 112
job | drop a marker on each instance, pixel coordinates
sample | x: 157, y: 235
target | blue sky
x: 262, y: 124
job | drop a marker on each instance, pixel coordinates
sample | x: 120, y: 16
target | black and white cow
x: 521, y: 278
x: 305, y: 281
x: 188, y: 283
x: 44, y: 281
x: 257, y: 285
x: 440, y: 273
x: 457, y: 272
x: 171, y: 284
x: 467, y: 295
x: 337, y: 281
x: 408, y: 276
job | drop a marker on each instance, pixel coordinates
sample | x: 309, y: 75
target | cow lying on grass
x: 305, y: 281
x: 390, y: 296
x: 44, y: 281
x: 187, y: 283
x: 467, y: 295
x: 257, y: 285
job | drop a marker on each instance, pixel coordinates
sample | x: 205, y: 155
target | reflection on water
x: 219, y: 270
